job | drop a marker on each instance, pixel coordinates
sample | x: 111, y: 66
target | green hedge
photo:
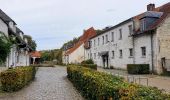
x: 92, y: 66
x: 95, y: 85
x: 89, y: 61
x: 17, y: 78
x: 138, y: 68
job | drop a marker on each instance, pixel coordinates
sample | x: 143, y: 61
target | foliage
x: 89, y: 61
x: 96, y: 85
x: 138, y: 68
x: 5, y: 47
x: 50, y: 55
x: 17, y: 78
x: 31, y: 42
x: 92, y: 66
x: 70, y: 43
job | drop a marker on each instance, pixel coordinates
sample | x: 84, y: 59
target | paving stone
x: 50, y: 84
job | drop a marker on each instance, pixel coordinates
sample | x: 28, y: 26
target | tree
x: 5, y: 47
x: 31, y: 42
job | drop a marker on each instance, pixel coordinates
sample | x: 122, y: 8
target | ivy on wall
x: 5, y: 46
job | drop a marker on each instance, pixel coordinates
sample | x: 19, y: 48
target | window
x: 131, y: 52
x: 106, y: 38
x: 120, y: 32
x: 121, y: 54
x: 130, y: 29
x: 91, y: 43
x: 143, y: 51
x: 91, y: 56
x: 113, y: 54
x: 142, y: 26
x: 112, y: 36
x: 98, y: 41
x: 94, y: 43
x: 98, y: 55
x: 103, y: 39
x: 94, y: 55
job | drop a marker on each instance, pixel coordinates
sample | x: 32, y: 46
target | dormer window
x: 143, y: 25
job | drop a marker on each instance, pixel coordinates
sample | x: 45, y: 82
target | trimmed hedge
x: 95, y: 85
x: 89, y: 61
x: 138, y: 68
x: 92, y: 66
x: 17, y: 78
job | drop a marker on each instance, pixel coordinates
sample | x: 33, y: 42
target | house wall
x: 12, y: 26
x: 143, y: 40
x: 124, y: 44
x: 77, y: 56
x: 163, y: 45
x: 12, y: 57
x: 3, y: 27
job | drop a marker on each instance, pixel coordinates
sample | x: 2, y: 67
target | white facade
x: 118, y: 51
x: 109, y: 42
x: 77, y: 56
x: 18, y: 56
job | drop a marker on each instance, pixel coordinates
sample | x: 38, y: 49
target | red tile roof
x: 83, y: 39
x: 35, y: 54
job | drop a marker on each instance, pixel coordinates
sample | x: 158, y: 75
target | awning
x: 104, y: 53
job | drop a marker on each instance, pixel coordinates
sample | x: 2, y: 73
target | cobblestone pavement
x: 153, y: 80
x: 50, y: 84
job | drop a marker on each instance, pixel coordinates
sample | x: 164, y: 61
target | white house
x: 19, y: 55
x: 142, y: 39
x: 76, y: 54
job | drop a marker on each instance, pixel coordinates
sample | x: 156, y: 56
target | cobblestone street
x: 50, y: 84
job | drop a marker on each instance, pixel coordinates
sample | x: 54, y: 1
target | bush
x: 92, y: 66
x: 95, y: 85
x: 89, y: 61
x: 138, y: 68
x: 17, y: 78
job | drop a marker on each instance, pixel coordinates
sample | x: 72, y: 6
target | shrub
x: 95, y: 85
x: 138, y: 68
x: 111, y: 67
x: 92, y: 66
x: 89, y: 61
x: 17, y: 78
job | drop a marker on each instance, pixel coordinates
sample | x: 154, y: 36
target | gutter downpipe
x: 152, y: 52
x: 133, y: 41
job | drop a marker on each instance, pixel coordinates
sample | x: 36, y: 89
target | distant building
x: 76, y: 54
x: 142, y: 39
x: 35, y: 57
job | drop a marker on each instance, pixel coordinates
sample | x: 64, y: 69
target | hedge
x: 17, y: 78
x: 138, y: 68
x: 95, y: 85
x: 92, y: 66
x: 89, y: 61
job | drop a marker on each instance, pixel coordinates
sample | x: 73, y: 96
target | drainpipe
x: 133, y: 42
x: 152, y: 52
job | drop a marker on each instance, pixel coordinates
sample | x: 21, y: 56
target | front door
x: 105, y: 61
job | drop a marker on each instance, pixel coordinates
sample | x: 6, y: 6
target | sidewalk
x: 147, y: 80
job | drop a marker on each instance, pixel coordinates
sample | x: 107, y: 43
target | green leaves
x: 5, y: 47
x: 96, y: 85
x: 17, y: 78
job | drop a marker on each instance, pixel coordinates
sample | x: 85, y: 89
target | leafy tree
x: 31, y: 42
x: 5, y: 46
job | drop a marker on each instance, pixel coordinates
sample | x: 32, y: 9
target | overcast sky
x: 53, y: 22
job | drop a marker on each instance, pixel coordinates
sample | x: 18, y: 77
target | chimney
x: 151, y: 7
